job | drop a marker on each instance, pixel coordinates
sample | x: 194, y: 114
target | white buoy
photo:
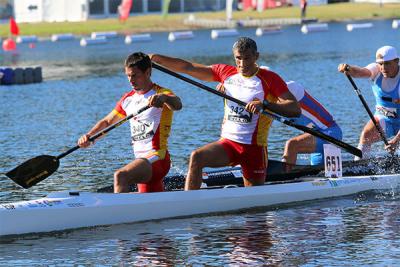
x: 350, y: 27
x: 172, y: 36
x: 62, y: 37
x: 396, y: 23
x: 27, y: 39
x: 135, y: 38
x: 104, y: 34
x: 93, y: 41
x: 314, y: 27
x: 224, y: 33
x: 269, y: 30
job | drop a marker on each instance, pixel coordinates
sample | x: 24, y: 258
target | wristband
x: 265, y: 103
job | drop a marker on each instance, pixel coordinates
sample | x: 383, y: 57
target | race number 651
x: 332, y: 161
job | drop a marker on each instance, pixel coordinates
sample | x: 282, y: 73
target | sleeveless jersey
x: 386, y: 92
x: 387, y: 102
x: 149, y: 129
x: 240, y: 125
x: 312, y: 112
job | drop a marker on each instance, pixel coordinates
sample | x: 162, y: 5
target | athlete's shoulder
x: 224, y: 68
x: 296, y: 89
x: 127, y: 94
x: 162, y: 90
x: 269, y: 74
x: 222, y: 71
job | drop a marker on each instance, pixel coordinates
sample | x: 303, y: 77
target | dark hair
x: 245, y: 43
x: 138, y: 59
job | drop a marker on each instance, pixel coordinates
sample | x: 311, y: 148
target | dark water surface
x: 81, y: 85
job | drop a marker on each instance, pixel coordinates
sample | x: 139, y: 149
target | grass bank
x: 151, y: 23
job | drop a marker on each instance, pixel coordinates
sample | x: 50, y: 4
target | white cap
x: 386, y: 53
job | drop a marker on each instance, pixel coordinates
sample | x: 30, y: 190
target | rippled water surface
x: 81, y: 85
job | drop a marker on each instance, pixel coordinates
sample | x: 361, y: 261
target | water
x: 81, y: 85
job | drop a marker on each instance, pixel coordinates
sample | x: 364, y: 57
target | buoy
x: 62, y: 37
x: 172, y: 36
x: 269, y: 30
x: 104, y: 34
x: 93, y: 41
x: 356, y: 26
x: 37, y: 75
x: 8, y: 76
x: 9, y: 45
x: 224, y: 33
x: 27, y: 39
x: 28, y: 75
x: 396, y: 23
x: 314, y: 27
x: 146, y: 37
x: 32, y: 45
x: 18, y: 76
x: 21, y: 75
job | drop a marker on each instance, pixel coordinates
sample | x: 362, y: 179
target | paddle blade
x: 34, y: 170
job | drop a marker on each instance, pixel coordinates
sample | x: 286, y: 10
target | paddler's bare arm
x: 111, y: 118
x: 354, y: 71
x: 287, y: 106
x: 196, y: 70
x: 171, y: 101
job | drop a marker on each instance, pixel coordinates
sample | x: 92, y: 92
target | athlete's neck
x: 145, y: 88
x: 251, y: 72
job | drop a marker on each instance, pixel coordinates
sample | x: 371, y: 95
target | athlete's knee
x: 366, y: 136
x: 291, y: 145
x: 120, y: 177
x: 197, y: 157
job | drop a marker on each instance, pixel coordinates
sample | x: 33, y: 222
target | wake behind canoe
x: 70, y: 210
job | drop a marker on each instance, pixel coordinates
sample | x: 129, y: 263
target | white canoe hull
x: 64, y: 210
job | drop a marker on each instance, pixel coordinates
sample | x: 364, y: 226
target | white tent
x: 50, y: 10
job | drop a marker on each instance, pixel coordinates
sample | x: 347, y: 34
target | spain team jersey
x: 149, y: 129
x: 240, y: 125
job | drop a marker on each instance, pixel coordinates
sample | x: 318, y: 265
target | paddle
x: 371, y: 116
x: 353, y: 150
x: 39, y: 168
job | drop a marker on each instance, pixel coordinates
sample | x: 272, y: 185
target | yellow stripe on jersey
x: 118, y: 114
x: 161, y: 90
x: 264, y: 124
x: 165, y: 120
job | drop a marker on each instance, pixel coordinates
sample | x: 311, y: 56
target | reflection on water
x: 81, y: 85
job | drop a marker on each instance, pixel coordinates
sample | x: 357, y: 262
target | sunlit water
x: 81, y: 85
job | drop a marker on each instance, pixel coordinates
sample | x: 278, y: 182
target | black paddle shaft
x: 39, y: 168
x: 345, y: 146
x: 104, y: 131
x: 377, y: 126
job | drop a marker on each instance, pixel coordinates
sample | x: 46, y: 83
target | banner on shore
x: 124, y: 9
x: 165, y: 8
x: 13, y: 27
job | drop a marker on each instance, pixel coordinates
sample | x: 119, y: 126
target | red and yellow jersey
x: 149, y: 129
x: 240, y: 125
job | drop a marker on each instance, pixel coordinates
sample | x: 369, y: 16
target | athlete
x: 315, y: 116
x: 149, y: 129
x: 244, y: 132
x: 385, y: 76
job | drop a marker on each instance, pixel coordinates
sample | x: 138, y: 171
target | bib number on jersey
x: 142, y: 130
x: 239, y: 115
x: 332, y: 161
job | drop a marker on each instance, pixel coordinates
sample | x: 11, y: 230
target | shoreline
x: 342, y: 12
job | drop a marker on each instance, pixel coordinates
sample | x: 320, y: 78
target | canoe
x: 74, y: 209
